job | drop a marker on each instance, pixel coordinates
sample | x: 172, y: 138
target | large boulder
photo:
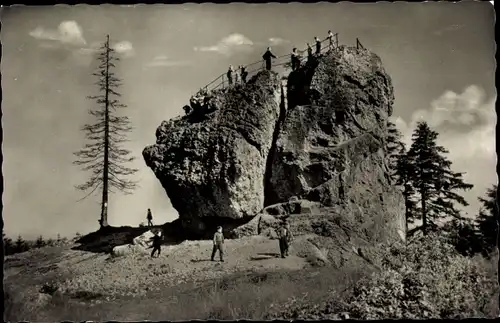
x: 331, y: 150
x: 144, y: 240
x: 123, y: 250
x: 214, y: 166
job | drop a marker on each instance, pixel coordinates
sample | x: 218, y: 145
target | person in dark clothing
x: 156, y: 244
x: 285, y: 239
x: 149, y: 217
x: 218, y: 244
x: 309, y: 51
x: 295, y: 59
x: 318, y: 45
x: 244, y: 74
x: 230, y: 75
x: 267, y: 57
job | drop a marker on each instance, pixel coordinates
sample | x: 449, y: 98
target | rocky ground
x: 96, y: 278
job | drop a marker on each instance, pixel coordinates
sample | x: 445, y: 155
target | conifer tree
x: 433, y: 180
x: 8, y: 244
x: 486, y: 221
x: 393, y: 146
x: 403, y: 174
x: 21, y: 245
x: 104, y: 157
x: 40, y: 242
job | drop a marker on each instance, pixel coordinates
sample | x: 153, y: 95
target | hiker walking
x: 230, y: 75
x: 149, y: 217
x: 318, y: 45
x: 218, y: 244
x: 330, y: 38
x: 285, y: 238
x: 156, y: 244
x: 244, y: 74
x: 295, y: 59
x: 267, y: 57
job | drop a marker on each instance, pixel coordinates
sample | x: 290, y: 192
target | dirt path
x: 138, y: 273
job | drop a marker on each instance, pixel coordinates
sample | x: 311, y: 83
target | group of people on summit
x: 240, y: 75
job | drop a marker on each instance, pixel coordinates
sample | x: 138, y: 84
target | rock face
x: 330, y: 148
x: 212, y: 164
x: 252, y: 156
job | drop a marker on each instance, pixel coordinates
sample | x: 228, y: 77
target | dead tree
x: 104, y: 157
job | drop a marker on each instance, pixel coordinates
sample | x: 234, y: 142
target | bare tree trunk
x: 104, y: 204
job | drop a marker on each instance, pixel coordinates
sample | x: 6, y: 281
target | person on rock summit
x: 218, y: 244
x: 244, y: 74
x: 267, y: 57
x: 295, y: 59
x: 318, y: 45
x: 230, y: 75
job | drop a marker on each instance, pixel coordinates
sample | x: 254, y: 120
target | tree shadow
x: 105, y: 239
x: 264, y: 256
x: 200, y: 260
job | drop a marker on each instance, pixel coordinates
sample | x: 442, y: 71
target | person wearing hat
x: 218, y: 244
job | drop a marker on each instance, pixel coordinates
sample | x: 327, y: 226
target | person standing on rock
x: 267, y: 57
x: 218, y: 244
x: 230, y: 75
x: 309, y: 51
x: 295, y: 59
x: 318, y: 46
x: 285, y: 238
x: 156, y: 244
x: 330, y: 38
x: 149, y: 217
x: 244, y: 74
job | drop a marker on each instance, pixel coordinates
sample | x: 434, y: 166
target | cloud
x: 68, y: 32
x: 124, y: 47
x: 164, y: 61
x: 228, y: 45
x: 466, y: 125
x: 276, y: 41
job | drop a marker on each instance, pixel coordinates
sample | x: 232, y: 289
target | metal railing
x: 222, y: 82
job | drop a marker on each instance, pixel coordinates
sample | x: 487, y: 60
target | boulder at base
x: 144, y: 240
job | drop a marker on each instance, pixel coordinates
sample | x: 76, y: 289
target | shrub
x: 427, y: 279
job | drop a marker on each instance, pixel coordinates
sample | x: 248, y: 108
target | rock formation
x: 326, y: 149
x: 212, y: 163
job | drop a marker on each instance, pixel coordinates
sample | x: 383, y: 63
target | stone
x: 123, y: 250
x: 214, y: 165
x: 144, y: 240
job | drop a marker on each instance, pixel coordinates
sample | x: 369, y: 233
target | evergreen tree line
x: 431, y: 191
x: 21, y: 245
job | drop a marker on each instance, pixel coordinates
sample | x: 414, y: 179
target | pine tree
x: 40, y: 242
x: 21, y: 245
x: 403, y: 174
x: 8, y: 244
x: 105, y: 157
x: 393, y: 147
x: 433, y: 180
x: 486, y: 221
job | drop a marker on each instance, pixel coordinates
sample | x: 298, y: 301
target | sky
x: 440, y: 57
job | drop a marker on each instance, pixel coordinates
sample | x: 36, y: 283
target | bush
x: 427, y: 279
